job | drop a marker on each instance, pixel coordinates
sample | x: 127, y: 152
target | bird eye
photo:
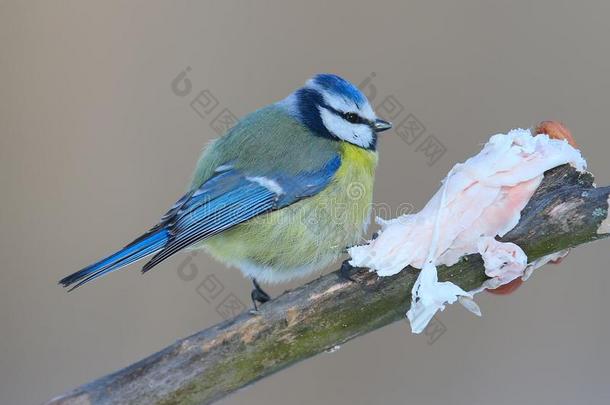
x: 352, y: 117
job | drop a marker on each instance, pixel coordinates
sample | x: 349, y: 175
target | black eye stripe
x: 350, y: 117
x: 353, y: 118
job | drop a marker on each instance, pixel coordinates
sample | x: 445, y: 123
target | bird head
x: 332, y: 107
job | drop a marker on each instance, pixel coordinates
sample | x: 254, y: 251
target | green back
x: 266, y: 141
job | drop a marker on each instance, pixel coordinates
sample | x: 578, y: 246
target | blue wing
x: 228, y: 198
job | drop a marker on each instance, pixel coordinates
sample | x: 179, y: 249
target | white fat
x: 536, y: 264
x: 604, y: 227
x: 358, y: 134
x: 480, y: 200
x: 429, y: 296
x: 332, y: 349
x: 503, y: 261
x: 268, y: 183
x: 470, y: 305
x: 494, y: 283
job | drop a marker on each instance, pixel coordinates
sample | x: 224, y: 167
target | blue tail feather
x: 140, y: 248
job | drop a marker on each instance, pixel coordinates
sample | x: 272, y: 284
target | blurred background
x: 96, y: 143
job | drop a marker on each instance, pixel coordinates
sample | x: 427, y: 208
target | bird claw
x: 345, y: 271
x: 258, y: 295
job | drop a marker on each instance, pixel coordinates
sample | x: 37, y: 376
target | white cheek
x: 358, y: 134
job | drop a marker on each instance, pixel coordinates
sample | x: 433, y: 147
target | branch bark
x: 566, y: 210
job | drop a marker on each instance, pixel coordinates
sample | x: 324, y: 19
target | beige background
x: 94, y: 146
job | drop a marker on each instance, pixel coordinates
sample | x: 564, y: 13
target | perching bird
x: 282, y: 194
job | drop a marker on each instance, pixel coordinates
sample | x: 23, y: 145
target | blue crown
x: 339, y: 86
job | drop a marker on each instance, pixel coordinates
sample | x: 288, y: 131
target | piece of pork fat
x: 479, y: 200
x: 555, y: 130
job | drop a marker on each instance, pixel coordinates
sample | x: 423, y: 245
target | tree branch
x: 566, y: 211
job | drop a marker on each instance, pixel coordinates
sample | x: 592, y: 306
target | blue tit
x: 279, y: 196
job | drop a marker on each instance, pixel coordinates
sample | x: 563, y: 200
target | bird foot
x: 258, y: 295
x: 346, y: 271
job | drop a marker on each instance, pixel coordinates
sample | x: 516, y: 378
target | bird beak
x: 381, y: 125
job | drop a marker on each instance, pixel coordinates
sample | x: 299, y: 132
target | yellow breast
x: 353, y: 186
x: 308, y: 234
x: 357, y: 162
